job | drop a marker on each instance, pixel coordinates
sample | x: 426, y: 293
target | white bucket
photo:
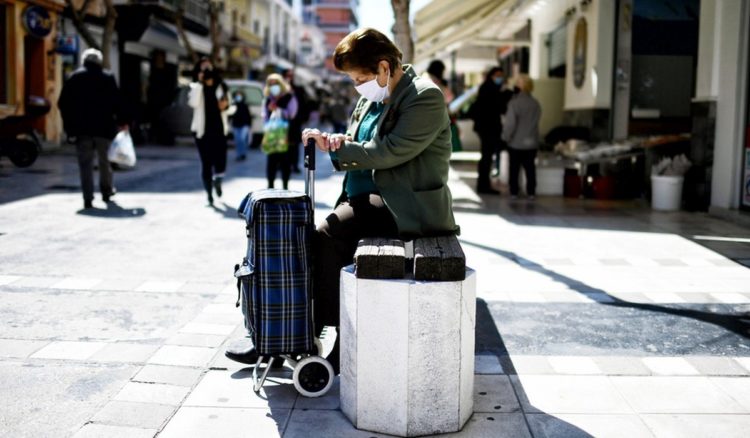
x: 550, y: 180
x: 666, y: 192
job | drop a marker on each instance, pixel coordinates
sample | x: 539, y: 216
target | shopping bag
x: 121, y: 151
x: 275, y: 134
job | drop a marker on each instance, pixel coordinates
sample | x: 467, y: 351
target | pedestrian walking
x: 279, y: 109
x: 209, y: 99
x: 91, y: 110
x: 521, y: 132
x: 241, y: 126
x: 299, y: 120
x: 490, y: 105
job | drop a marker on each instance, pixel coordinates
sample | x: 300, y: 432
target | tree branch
x: 109, y: 29
x: 179, y: 23
x: 80, y: 26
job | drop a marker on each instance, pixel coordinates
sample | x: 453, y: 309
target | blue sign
x: 67, y: 44
x: 37, y: 21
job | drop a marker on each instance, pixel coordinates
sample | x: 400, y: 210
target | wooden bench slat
x: 439, y: 259
x: 380, y: 258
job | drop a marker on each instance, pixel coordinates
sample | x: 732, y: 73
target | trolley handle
x: 310, y: 154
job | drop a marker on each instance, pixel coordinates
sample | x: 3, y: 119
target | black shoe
x: 217, y: 186
x: 88, y: 204
x: 108, y: 196
x: 248, y: 355
x: 210, y: 201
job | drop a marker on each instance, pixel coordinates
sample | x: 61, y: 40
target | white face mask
x: 275, y: 89
x: 372, y: 91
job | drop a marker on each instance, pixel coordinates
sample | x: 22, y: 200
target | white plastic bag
x: 121, y: 151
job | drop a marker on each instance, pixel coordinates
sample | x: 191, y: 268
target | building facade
x: 30, y: 69
x: 336, y: 18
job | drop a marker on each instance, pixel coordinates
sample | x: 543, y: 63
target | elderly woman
x: 279, y: 97
x: 395, y: 154
x: 521, y: 132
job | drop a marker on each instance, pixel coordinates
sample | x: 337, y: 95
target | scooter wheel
x: 22, y: 153
x: 313, y: 376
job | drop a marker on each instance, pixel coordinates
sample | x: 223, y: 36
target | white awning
x: 444, y: 26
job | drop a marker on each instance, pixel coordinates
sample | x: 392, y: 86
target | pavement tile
x: 93, y: 430
x: 327, y: 423
x: 19, y: 348
x: 492, y: 426
x: 120, y: 284
x: 182, y: 356
x: 494, y: 394
x: 152, y: 393
x: 72, y: 350
x: 530, y: 365
x: 160, y: 286
x: 210, y: 422
x: 222, y: 309
x: 125, y: 352
x: 122, y: 413
x: 744, y: 361
x: 207, y: 329
x: 716, y: 366
x: 670, y: 366
x: 8, y: 279
x: 621, y: 366
x: 614, y: 262
x: 180, y: 376
x: 569, y: 394
x: 736, y: 387
x: 664, y: 297
x: 670, y: 262
x: 526, y: 297
x: 487, y: 364
x: 331, y: 400
x: 667, y: 395
x: 201, y: 287
x: 581, y: 425
x: 574, y: 365
x: 77, y: 283
x: 196, y: 340
x: 36, y: 281
x: 730, y: 297
x: 698, y: 426
x: 723, y: 262
x: 235, y: 389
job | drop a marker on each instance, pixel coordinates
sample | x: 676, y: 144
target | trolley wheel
x: 313, y: 376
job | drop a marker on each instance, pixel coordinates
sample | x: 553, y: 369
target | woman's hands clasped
x: 325, y: 141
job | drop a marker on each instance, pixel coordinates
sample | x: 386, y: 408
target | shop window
x: 4, y: 77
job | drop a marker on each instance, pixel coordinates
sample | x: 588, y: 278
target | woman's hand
x: 272, y: 106
x: 321, y: 138
x: 336, y: 140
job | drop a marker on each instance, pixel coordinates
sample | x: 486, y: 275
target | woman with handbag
x: 209, y: 99
x: 279, y: 107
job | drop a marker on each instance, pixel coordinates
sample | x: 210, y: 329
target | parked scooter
x: 18, y: 140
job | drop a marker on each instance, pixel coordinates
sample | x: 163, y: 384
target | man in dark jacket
x: 295, y: 125
x: 491, y: 103
x: 90, y: 106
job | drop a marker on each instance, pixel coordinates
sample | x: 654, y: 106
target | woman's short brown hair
x: 363, y: 49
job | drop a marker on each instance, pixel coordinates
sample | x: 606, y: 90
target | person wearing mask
x: 209, y: 98
x: 241, y: 126
x: 522, y: 135
x: 90, y: 107
x: 395, y: 152
x: 278, y: 96
x: 490, y: 105
x: 295, y: 125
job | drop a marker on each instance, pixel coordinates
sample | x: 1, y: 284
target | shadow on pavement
x: 228, y: 211
x: 113, y: 211
x: 737, y: 323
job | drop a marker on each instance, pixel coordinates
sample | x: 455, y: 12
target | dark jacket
x: 409, y: 155
x: 90, y: 103
x: 491, y: 103
x: 242, y: 116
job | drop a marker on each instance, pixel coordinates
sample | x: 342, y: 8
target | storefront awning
x: 444, y: 26
x: 163, y: 36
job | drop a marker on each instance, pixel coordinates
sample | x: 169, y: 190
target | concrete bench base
x: 407, y: 354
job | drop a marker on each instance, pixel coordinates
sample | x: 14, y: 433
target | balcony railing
x: 195, y: 10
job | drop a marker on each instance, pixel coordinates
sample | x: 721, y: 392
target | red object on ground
x: 572, y: 186
x: 603, y: 187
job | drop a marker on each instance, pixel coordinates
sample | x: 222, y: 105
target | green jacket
x: 409, y: 155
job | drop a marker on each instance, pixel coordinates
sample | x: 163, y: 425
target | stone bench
x: 407, y: 337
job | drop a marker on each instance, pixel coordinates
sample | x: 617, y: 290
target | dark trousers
x: 490, y: 143
x: 275, y: 163
x: 334, y: 246
x: 293, y: 153
x: 86, y: 148
x: 526, y: 159
x: 213, y: 153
